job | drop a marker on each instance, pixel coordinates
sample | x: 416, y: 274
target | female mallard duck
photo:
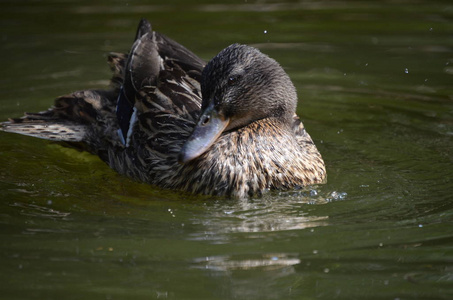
x: 237, y: 135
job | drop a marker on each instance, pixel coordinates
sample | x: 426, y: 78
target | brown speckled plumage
x: 235, y: 135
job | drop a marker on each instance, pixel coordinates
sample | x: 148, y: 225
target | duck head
x: 239, y: 86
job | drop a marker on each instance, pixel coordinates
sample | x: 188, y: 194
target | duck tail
x: 42, y: 128
x: 67, y: 121
x: 73, y: 115
x: 59, y: 123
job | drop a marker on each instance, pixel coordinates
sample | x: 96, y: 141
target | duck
x: 224, y: 128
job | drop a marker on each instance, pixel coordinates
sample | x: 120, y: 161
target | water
x: 375, y: 87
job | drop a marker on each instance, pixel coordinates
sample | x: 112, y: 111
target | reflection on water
x: 266, y: 262
x: 281, y: 211
x: 250, y: 276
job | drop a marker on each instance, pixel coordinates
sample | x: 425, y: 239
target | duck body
x: 227, y: 128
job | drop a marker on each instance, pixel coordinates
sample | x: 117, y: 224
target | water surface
x: 375, y: 86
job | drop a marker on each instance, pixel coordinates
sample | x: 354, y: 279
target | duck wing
x: 161, y: 92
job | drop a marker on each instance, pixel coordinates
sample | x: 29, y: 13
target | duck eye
x: 233, y: 80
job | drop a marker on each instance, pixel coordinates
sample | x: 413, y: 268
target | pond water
x: 375, y: 83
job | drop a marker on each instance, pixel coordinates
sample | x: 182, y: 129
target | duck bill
x: 209, y: 127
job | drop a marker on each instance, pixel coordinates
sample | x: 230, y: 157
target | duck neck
x: 262, y: 155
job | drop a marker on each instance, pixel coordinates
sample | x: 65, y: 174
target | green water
x: 375, y: 81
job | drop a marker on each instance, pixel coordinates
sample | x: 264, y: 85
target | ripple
x: 277, y: 212
x: 268, y: 261
x: 34, y: 210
